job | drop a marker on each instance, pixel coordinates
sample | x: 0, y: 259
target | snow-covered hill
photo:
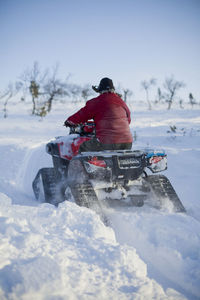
x: 67, y: 252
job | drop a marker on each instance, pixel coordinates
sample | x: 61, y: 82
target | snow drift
x: 67, y: 252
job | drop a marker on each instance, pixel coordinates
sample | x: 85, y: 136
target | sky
x: 126, y: 40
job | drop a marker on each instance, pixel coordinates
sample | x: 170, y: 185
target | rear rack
x: 110, y: 153
x: 123, y: 164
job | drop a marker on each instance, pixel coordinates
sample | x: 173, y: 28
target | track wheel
x: 163, y: 189
x: 46, y: 188
x: 84, y: 195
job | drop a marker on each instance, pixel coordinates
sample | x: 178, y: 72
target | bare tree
x: 192, y: 100
x: 146, y: 85
x: 6, y: 95
x: 159, y: 96
x: 75, y: 92
x: 171, y: 86
x: 9, y: 92
x: 44, y: 88
x: 54, y: 88
x: 181, y: 103
x: 127, y: 93
x: 34, y: 91
x: 86, y: 92
x: 32, y: 80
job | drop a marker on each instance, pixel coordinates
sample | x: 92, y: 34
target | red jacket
x: 111, y: 116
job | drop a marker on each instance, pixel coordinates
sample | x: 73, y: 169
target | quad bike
x: 113, y: 178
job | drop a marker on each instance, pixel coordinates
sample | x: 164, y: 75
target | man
x: 111, y: 117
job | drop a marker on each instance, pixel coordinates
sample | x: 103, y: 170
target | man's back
x: 112, y: 118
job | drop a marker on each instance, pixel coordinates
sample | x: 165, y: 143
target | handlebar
x: 87, y: 128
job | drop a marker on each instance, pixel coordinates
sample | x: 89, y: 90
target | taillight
x: 97, y: 162
x: 155, y: 159
x: 95, y: 165
x: 157, y: 163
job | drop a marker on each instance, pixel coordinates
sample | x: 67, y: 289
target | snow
x: 66, y: 252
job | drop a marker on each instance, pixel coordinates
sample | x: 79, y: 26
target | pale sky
x: 126, y: 40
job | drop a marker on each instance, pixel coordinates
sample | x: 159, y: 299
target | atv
x: 113, y: 178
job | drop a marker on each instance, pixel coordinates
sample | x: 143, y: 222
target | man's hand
x: 69, y: 124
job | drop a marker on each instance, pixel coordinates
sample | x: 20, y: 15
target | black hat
x: 105, y: 84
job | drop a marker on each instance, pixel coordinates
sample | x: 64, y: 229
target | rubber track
x: 162, y: 188
x: 84, y: 195
x: 53, y: 191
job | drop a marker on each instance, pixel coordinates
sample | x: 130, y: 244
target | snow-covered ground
x: 67, y: 252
